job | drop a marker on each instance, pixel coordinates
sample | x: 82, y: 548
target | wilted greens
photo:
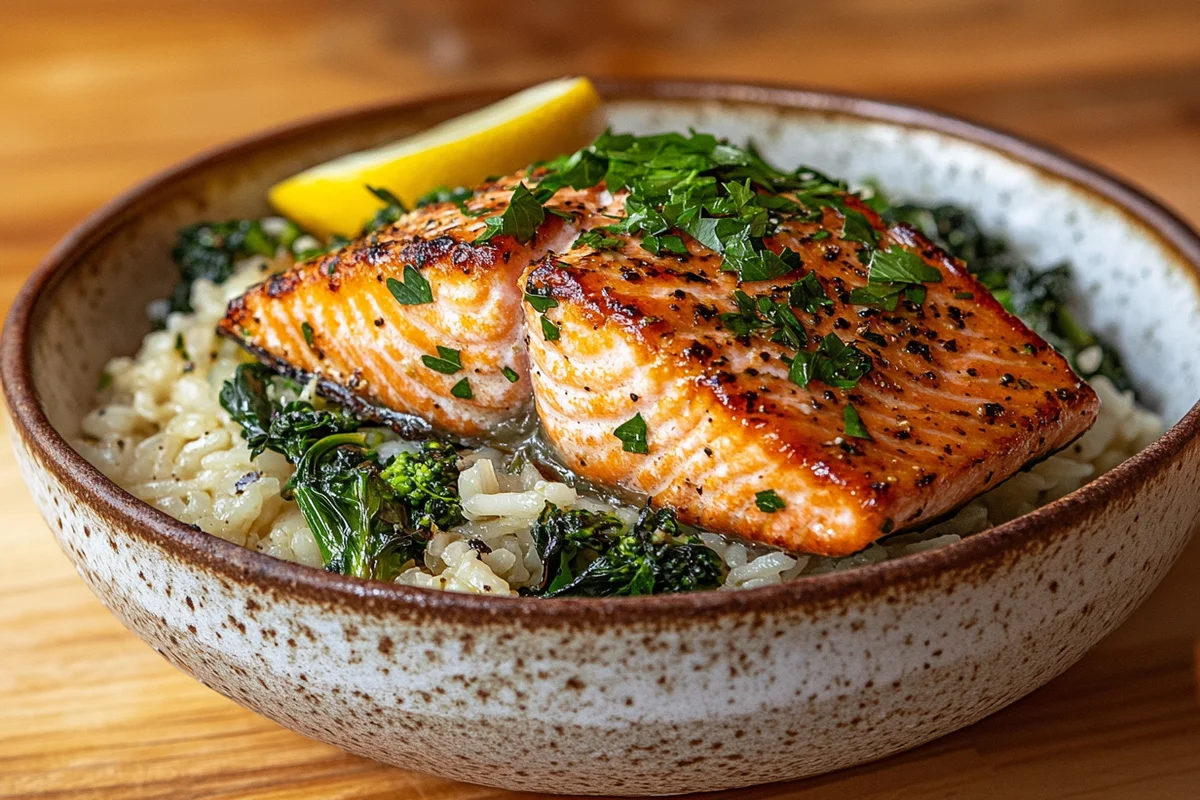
x: 290, y: 428
x: 368, y: 521
x: 590, y: 554
x: 210, y: 250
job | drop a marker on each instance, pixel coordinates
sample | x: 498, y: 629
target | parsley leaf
x: 834, y: 363
x: 885, y: 295
x: 632, y: 434
x: 656, y: 245
x: 550, y: 330
x: 520, y: 220
x: 540, y: 303
x: 897, y: 265
x: 807, y: 293
x: 511, y: 374
x: 392, y: 210
x: 598, y: 239
x: 307, y: 330
x: 853, y: 423
x: 462, y: 390
x: 726, y: 197
x: 447, y: 361
x: 444, y: 194
x: 857, y: 228
x: 764, y: 313
x: 414, y: 291
x: 768, y: 501
x: 892, y: 273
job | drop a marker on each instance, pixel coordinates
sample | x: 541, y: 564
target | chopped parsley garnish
x: 726, y: 197
x: 540, y: 303
x: 393, y: 209
x: 413, y: 291
x: 894, y: 272
x: 768, y: 501
x: 550, y: 330
x: 897, y: 265
x: 521, y: 219
x: 665, y: 243
x: 807, y: 293
x: 104, y: 382
x: 444, y: 194
x: 964, y: 295
x: 599, y: 239
x: 632, y: 434
x: 834, y: 363
x: 307, y: 330
x: 462, y: 390
x: 510, y: 374
x: 447, y: 361
x: 768, y: 314
x: 857, y: 227
x: 853, y: 423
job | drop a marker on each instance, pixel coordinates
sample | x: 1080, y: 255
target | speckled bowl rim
x: 980, y: 552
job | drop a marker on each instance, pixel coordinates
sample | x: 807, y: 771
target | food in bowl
x: 801, y: 378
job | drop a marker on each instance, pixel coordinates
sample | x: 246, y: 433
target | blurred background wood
x: 95, y: 95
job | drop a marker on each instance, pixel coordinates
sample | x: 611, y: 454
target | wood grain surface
x: 96, y: 95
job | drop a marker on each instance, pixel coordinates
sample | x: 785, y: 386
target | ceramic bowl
x: 637, y: 695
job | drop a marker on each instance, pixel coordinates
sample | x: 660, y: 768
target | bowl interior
x: 1134, y: 286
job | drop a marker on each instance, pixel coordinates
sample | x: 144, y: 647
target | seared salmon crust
x: 336, y: 318
x: 959, y: 394
x: 945, y: 410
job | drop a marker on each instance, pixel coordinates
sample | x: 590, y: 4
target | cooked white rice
x: 159, y: 431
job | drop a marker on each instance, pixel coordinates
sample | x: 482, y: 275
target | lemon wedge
x: 536, y: 124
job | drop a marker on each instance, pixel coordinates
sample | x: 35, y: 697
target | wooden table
x: 96, y: 95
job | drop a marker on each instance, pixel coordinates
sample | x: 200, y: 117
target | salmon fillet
x: 959, y: 396
x: 337, y: 319
x: 923, y: 403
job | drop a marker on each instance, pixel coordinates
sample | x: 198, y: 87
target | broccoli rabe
x: 361, y: 526
x: 427, y: 480
x: 287, y: 428
x: 560, y: 536
x: 594, y: 555
x: 1038, y: 297
x: 210, y: 250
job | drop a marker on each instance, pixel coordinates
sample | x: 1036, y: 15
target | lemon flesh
x: 536, y: 124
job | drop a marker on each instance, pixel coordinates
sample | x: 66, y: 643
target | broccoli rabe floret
x: 561, y: 535
x: 427, y: 481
